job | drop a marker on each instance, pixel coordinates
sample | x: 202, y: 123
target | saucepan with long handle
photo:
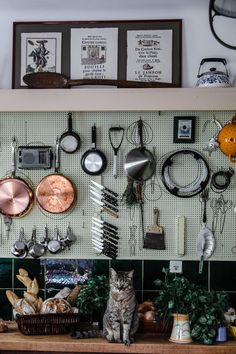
x: 43, y: 80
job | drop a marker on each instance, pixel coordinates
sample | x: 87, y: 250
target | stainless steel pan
x: 140, y: 163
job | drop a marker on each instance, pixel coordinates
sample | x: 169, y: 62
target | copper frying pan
x: 56, y: 193
x: 16, y: 195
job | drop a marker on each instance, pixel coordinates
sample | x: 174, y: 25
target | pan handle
x: 140, y: 132
x: 13, y: 156
x: 94, y: 136
x: 70, y: 129
x: 57, y: 156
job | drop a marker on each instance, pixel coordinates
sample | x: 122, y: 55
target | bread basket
x: 44, y: 324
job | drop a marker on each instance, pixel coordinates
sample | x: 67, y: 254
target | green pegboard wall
x: 43, y: 128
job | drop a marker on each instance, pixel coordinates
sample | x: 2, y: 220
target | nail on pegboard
x: 43, y: 128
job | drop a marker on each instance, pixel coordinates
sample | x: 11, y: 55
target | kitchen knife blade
x: 102, y: 232
x: 105, y: 223
x: 104, y: 204
x: 102, y: 188
x: 103, y: 194
x: 104, y: 198
x: 104, y: 242
x: 105, y: 228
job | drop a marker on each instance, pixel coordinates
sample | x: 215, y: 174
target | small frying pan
x: 93, y: 161
x: 56, y: 193
x: 70, y: 140
x: 16, y: 195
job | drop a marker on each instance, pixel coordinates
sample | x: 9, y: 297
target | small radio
x: 34, y: 157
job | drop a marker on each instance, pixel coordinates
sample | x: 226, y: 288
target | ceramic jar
x: 181, y: 329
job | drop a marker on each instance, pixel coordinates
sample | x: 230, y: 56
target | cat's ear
x: 130, y: 274
x: 113, y: 273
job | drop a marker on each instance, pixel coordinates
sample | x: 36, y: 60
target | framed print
x: 139, y: 50
x: 184, y: 129
x: 40, y: 52
x: 94, y: 53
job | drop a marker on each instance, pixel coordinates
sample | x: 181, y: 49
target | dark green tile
x: 223, y: 275
x: 150, y: 295
x: 101, y: 267
x: 33, y: 267
x: 139, y: 296
x: 127, y: 265
x: 232, y: 299
x: 5, y: 306
x: 190, y: 271
x: 153, y: 271
x: 5, y: 273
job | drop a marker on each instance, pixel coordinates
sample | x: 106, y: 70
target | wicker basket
x: 47, y: 323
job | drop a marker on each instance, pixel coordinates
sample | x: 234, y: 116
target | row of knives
x: 104, y: 234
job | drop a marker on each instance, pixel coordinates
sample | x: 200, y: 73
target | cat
x: 120, y: 320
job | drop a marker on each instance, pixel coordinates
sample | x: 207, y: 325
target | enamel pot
x: 213, y: 77
x: 227, y: 140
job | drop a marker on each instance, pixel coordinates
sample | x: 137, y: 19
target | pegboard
x: 43, y: 128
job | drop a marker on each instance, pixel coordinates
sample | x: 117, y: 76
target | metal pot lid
x: 15, y: 197
x: 55, y: 193
x: 140, y: 164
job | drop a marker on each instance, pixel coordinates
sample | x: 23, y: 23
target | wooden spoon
x: 55, y: 80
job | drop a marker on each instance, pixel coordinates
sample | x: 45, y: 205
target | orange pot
x: 227, y: 140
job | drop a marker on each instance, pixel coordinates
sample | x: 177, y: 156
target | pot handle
x: 208, y: 60
x: 218, y: 60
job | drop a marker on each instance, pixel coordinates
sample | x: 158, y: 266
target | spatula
x: 154, y: 238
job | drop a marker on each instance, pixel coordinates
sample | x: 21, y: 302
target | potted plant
x: 175, y: 299
x: 205, y: 308
x: 92, y: 298
x: 208, y: 317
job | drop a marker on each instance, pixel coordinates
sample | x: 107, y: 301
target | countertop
x: 145, y: 344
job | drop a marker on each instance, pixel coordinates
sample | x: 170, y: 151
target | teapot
x: 213, y: 77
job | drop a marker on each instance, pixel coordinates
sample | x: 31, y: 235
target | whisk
x: 132, y: 133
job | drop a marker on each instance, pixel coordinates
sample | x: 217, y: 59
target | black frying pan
x: 93, y: 161
x: 70, y: 140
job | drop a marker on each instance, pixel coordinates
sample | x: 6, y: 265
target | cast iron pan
x: 93, y: 161
x: 70, y: 140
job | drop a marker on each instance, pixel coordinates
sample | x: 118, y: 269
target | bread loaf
x: 53, y: 305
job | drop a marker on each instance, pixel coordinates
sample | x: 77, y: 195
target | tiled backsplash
x: 55, y: 274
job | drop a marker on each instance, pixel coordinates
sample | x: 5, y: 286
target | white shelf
x: 113, y: 99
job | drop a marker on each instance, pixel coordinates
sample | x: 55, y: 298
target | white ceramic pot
x: 213, y: 77
x: 181, y: 329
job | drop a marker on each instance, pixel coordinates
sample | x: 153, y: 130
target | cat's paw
x: 110, y: 338
x: 127, y: 342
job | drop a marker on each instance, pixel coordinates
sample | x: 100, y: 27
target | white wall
x: 197, y: 40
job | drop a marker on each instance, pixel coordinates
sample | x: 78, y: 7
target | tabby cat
x: 120, y: 321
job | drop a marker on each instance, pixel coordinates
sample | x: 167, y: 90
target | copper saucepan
x: 16, y: 195
x: 56, y: 193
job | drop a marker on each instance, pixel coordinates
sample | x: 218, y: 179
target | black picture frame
x: 184, y: 129
x: 20, y: 29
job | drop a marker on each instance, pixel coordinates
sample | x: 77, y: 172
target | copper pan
x: 56, y: 193
x: 16, y: 195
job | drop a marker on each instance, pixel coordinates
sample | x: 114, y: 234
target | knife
x: 104, y: 239
x: 102, y: 222
x: 104, y: 204
x: 104, y: 194
x: 105, y: 228
x: 104, y: 198
x: 104, y: 189
x: 104, y: 242
x: 106, y: 250
x: 105, y: 233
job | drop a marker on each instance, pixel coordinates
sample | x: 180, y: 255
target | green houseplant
x: 93, y: 296
x: 205, y: 308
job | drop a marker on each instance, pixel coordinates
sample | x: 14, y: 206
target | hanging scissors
x: 225, y: 206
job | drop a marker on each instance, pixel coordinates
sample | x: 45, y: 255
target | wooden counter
x: 146, y: 344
